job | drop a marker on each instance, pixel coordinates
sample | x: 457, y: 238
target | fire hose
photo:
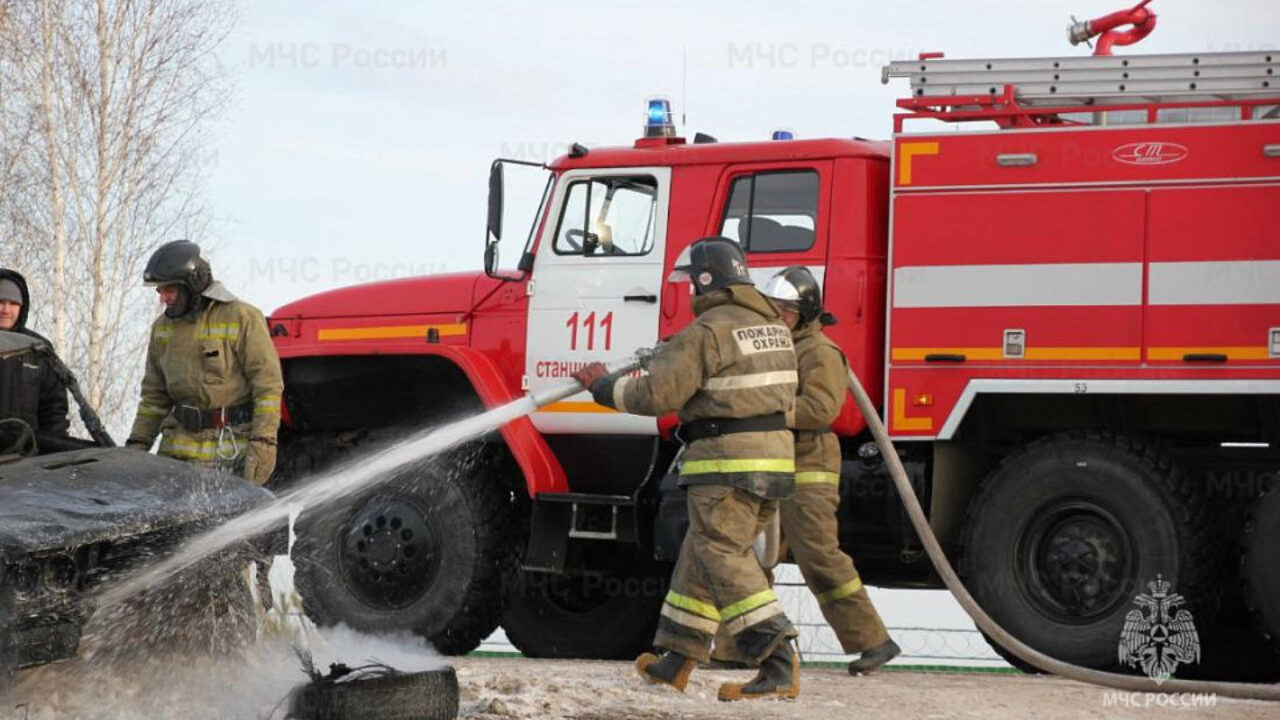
x: 1131, y: 683
x: 1029, y: 655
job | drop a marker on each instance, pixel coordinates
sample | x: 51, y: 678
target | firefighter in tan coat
x: 809, y: 523
x: 731, y: 375
x: 212, y: 383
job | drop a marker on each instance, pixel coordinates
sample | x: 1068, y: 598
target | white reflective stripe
x: 1246, y: 282
x: 688, y: 619
x: 619, y: 391
x: 746, y: 620
x: 754, y: 380
x: 1041, y: 285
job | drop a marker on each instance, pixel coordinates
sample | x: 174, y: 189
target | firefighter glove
x: 591, y: 374
x: 259, y: 461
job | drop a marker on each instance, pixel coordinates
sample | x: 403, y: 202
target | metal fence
x: 928, y: 624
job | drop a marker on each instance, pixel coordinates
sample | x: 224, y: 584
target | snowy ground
x: 499, y: 688
x: 502, y: 688
x: 252, y: 686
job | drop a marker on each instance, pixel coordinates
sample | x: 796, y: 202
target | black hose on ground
x: 1131, y: 683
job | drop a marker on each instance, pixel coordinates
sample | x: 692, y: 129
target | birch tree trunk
x: 118, y: 96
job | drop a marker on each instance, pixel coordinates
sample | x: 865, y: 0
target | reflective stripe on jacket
x: 222, y: 358
x: 735, y: 360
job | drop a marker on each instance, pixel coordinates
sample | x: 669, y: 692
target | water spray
x: 348, y: 478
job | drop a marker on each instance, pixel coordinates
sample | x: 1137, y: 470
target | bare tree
x: 115, y: 98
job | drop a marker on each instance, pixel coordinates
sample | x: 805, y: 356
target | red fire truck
x: 1066, y: 301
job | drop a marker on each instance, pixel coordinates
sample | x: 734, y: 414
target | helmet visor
x: 680, y: 271
x: 780, y: 290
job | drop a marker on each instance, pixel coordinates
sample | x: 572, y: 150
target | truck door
x: 595, y: 288
x: 1213, y: 288
x: 779, y: 214
x: 777, y: 211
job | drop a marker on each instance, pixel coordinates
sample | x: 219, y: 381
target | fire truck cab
x: 1068, y: 312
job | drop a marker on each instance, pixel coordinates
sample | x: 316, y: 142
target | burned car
x: 77, y: 514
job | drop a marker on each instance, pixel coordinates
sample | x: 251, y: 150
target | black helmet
x: 179, y: 263
x: 796, y: 286
x: 712, y: 263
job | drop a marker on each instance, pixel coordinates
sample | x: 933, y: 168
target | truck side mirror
x: 494, y: 228
x: 491, y: 258
x: 495, y: 201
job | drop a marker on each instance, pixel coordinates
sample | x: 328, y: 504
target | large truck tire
x: 594, y: 616
x: 430, y: 695
x: 1066, y: 532
x: 1261, y: 567
x: 433, y: 550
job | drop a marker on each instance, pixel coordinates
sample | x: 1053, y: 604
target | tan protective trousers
x: 718, y: 583
x: 810, y: 530
x: 810, y: 527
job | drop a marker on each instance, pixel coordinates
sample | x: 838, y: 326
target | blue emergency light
x: 782, y: 135
x: 658, y: 122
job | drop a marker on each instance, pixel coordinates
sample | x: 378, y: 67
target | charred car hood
x: 88, y: 496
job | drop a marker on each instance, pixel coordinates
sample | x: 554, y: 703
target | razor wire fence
x: 928, y: 625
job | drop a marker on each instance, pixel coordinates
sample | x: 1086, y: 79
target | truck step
x: 586, y: 499
x: 561, y: 517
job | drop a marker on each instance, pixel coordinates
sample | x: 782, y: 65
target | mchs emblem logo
x: 1160, y: 635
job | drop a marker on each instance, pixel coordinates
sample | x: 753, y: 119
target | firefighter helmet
x: 712, y: 263
x: 179, y: 263
x: 796, y: 287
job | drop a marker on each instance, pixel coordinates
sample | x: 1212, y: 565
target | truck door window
x: 608, y: 216
x: 773, y: 211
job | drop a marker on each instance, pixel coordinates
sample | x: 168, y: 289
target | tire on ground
x: 433, y: 550
x: 1066, y: 532
x: 601, y: 615
x: 1260, y: 569
x: 431, y: 695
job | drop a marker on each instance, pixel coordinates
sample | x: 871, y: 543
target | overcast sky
x: 361, y: 133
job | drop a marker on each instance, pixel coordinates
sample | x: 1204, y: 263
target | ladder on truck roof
x: 1030, y: 91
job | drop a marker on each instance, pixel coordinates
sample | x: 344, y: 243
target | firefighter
x: 30, y: 390
x: 731, y: 375
x: 809, y: 522
x: 212, y: 383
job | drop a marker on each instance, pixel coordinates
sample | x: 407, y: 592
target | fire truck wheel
x: 1261, y: 571
x: 1012, y: 659
x: 432, y: 550
x: 597, y: 616
x: 1066, y: 532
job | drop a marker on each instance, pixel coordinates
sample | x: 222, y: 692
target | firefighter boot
x: 671, y: 668
x: 779, y: 676
x: 874, y: 658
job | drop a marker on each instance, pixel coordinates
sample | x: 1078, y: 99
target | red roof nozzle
x: 1142, y: 20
